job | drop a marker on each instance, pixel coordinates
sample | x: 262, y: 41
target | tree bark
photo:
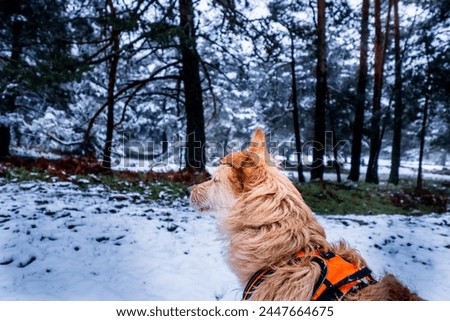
x: 295, y: 111
x: 422, y: 136
x: 195, y: 123
x: 398, y: 109
x: 422, y: 133
x: 336, y: 164
x: 9, y: 102
x: 5, y: 140
x: 360, y: 105
x: 106, y: 163
x: 381, y: 41
x: 321, y: 95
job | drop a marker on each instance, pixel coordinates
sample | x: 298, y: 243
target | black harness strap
x: 261, y: 274
x: 333, y: 293
x: 323, y: 273
x: 254, y: 281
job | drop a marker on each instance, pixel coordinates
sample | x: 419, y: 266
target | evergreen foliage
x: 55, y: 59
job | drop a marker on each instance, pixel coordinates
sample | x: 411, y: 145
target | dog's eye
x: 215, y: 180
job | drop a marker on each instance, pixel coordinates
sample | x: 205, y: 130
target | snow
x: 407, y: 170
x: 62, y: 241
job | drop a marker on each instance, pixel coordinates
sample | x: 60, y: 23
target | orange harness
x: 337, y: 278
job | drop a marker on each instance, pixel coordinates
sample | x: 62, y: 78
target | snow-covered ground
x: 62, y: 242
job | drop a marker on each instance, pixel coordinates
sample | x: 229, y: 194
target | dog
x: 277, y: 248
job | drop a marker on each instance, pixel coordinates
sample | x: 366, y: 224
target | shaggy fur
x: 267, y: 222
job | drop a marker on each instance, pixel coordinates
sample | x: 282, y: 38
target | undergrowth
x: 153, y: 186
x: 363, y: 198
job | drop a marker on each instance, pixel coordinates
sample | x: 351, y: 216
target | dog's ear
x: 258, y: 143
x: 240, y: 160
x: 256, y: 154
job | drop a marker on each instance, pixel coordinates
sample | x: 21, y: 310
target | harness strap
x: 255, y: 280
x: 353, y: 282
x: 327, y: 287
x: 323, y: 272
x: 341, y: 277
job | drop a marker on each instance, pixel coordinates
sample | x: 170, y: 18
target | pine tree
x: 317, y: 165
x: 381, y: 41
x: 398, y: 92
x: 39, y: 32
x: 195, y: 123
x: 112, y: 76
x: 360, y: 103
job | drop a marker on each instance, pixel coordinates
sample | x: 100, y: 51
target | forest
x: 184, y: 82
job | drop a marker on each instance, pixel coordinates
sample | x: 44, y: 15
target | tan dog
x: 271, y: 230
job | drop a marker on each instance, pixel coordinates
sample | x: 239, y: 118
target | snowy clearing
x: 59, y: 241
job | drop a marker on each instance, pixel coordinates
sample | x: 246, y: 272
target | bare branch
x: 59, y: 141
x: 137, y: 83
x: 127, y: 102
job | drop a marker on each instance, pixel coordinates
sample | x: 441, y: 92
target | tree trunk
x: 336, y: 164
x: 422, y: 133
x: 5, y: 139
x: 380, y: 53
x: 298, y: 144
x: 195, y: 123
x: 398, y: 111
x: 321, y: 95
x: 9, y: 102
x: 358, y: 124
x: 106, y: 163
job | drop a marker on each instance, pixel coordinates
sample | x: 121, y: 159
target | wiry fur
x: 267, y: 222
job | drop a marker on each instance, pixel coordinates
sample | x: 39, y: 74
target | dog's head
x: 237, y: 173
